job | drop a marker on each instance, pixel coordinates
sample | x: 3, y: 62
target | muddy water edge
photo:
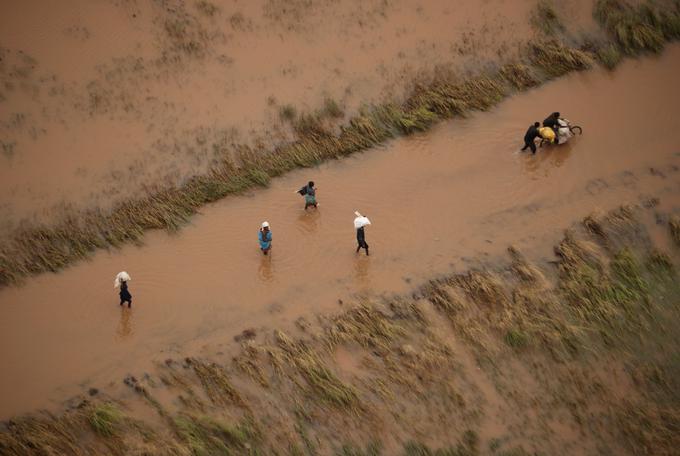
x: 442, y: 201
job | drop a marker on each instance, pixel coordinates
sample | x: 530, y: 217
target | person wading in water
x: 309, y: 192
x: 551, y: 121
x: 359, y: 223
x: 125, y: 295
x: 265, y: 238
x: 529, y: 137
x: 121, y: 281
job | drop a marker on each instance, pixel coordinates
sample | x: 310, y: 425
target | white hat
x: 265, y: 224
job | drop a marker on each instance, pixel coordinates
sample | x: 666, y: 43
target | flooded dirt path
x: 436, y: 200
x: 101, y: 99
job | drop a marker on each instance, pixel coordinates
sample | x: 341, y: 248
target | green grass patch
x: 104, y: 419
x: 322, y: 383
x: 206, y: 436
x: 609, y: 56
x: 516, y: 338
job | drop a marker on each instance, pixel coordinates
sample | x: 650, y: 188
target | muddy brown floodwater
x: 99, y: 99
x: 436, y: 200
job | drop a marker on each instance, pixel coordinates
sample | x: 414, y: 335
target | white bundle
x: 563, y: 130
x: 121, y: 277
x: 360, y: 221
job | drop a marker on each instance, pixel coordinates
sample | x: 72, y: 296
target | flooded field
x: 101, y: 100
x: 439, y: 202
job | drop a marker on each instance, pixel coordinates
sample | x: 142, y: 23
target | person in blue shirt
x: 265, y: 238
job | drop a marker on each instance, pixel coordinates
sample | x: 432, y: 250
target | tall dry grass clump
x: 556, y: 59
x: 641, y: 28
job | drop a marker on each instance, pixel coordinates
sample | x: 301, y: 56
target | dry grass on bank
x: 674, y: 226
x: 36, y: 249
x: 536, y: 337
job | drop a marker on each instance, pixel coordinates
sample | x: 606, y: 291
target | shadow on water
x: 308, y: 221
x: 125, y: 326
x: 362, y: 270
x: 548, y: 158
x: 266, y: 271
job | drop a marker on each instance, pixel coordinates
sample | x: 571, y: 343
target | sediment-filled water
x: 437, y: 200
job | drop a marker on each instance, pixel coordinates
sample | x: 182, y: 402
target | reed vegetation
x: 38, y: 248
x: 609, y: 297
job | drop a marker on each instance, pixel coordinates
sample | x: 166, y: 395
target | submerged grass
x: 555, y: 59
x: 206, y: 436
x: 42, y: 248
x: 544, y: 18
x: 104, y: 419
x: 215, y: 382
x: 529, y: 332
x: 674, y: 227
x: 609, y: 56
x: 321, y: 382
x: 641, y: 28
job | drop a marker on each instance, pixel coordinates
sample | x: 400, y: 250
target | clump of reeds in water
x: 545, y: 18
x: 556, y: 59
x: 645, y: 27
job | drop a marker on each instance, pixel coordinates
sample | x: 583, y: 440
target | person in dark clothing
x: 551, y: 121
x: 361, y: 240
x: 309, y: 192
x: 125, y: 295
x: 529, y: 137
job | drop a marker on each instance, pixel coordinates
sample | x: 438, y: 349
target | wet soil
x: 436, y: 200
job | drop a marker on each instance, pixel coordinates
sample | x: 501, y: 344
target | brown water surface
x: 100, y: 98
x: 436, y: 200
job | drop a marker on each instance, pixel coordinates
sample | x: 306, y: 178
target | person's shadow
x: 547, y: 158
x: 125, y: 329
x: 362, y: 270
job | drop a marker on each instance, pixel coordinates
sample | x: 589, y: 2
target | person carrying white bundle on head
x: 121, y: 281
x: 360, y: 222
x: 264, y: 236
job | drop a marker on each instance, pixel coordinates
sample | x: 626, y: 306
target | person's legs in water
x: 129, y: 303
x: 310, y: 200
x: 362, y: 245
x: 121, y: 302
x: 531, y: 145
